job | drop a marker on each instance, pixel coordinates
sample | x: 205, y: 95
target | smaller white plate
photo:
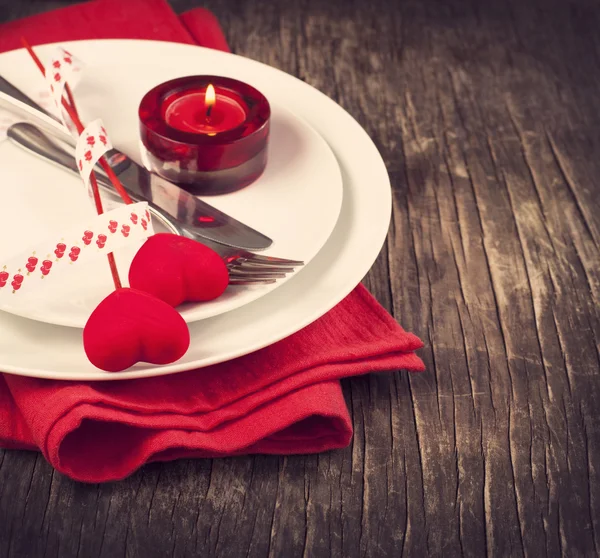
x: 296, y: 202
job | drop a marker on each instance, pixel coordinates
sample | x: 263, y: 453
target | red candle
x: 207, y: 111
x: 209, y: 134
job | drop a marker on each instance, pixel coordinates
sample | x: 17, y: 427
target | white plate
x: 302, y: 184
x: 333, y: 273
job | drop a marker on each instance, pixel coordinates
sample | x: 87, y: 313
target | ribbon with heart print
x: 92, y: 144
x: 63, y: 68
x: 103, y: 234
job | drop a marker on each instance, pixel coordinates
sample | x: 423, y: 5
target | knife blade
x: 195, y: 216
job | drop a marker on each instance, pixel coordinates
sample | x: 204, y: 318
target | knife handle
x: 35, y: 141
x: 118, y: 161
x: 10, y: 89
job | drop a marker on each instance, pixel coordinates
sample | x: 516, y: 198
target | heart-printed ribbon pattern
x: 91, y: 145
x: 63, y: 68
x: 77, y: 245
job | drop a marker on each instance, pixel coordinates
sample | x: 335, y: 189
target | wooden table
x: 488, y: 117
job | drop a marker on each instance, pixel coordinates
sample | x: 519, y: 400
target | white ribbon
x: 91, y: 145
x: 100, y: 235
x: 63, y: 68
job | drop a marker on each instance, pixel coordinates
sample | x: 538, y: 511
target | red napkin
x: 115, y: 19
x: 283, y: 399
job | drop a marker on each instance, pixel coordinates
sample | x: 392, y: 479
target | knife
x: 193, y: 215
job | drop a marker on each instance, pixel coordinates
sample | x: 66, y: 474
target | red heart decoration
x: 178, y: 269
x: 125, y: 230
x: 131, y: 326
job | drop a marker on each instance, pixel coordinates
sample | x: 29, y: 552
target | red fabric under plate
x: 284, y: 399
x: 99, y: 19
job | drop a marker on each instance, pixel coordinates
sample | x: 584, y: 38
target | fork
x: 245, y: 268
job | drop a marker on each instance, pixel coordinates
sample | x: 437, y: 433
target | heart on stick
x: 128, y: 326
x: 46, y: 266
x: 176, y: 269
x: 31, y: 264
x: 74, y: 253
x: 101, y: 240
x: 131, y: 326
x: 60, y: 250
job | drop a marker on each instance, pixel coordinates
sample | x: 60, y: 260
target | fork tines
x: 253, y: 269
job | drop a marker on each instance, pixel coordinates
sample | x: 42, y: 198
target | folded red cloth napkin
x: 115, y: 19
x: 283, y: 399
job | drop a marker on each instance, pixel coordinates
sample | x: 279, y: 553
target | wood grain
x: 487, y: 116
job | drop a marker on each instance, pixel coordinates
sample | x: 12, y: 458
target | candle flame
x: 209, y: 99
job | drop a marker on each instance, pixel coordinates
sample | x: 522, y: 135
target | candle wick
x: 208, y: 111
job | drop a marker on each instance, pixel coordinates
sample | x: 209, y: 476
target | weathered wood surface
x: 488, y: 117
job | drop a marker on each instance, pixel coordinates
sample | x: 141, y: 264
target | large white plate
x: 296, y: 201
x: 36, y: 349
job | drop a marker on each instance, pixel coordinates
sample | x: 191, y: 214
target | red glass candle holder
x: 205, y: 146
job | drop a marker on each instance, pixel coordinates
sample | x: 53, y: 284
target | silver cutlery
x: 245, y: 268
x: 15, y: 93
x: 195, y: 215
